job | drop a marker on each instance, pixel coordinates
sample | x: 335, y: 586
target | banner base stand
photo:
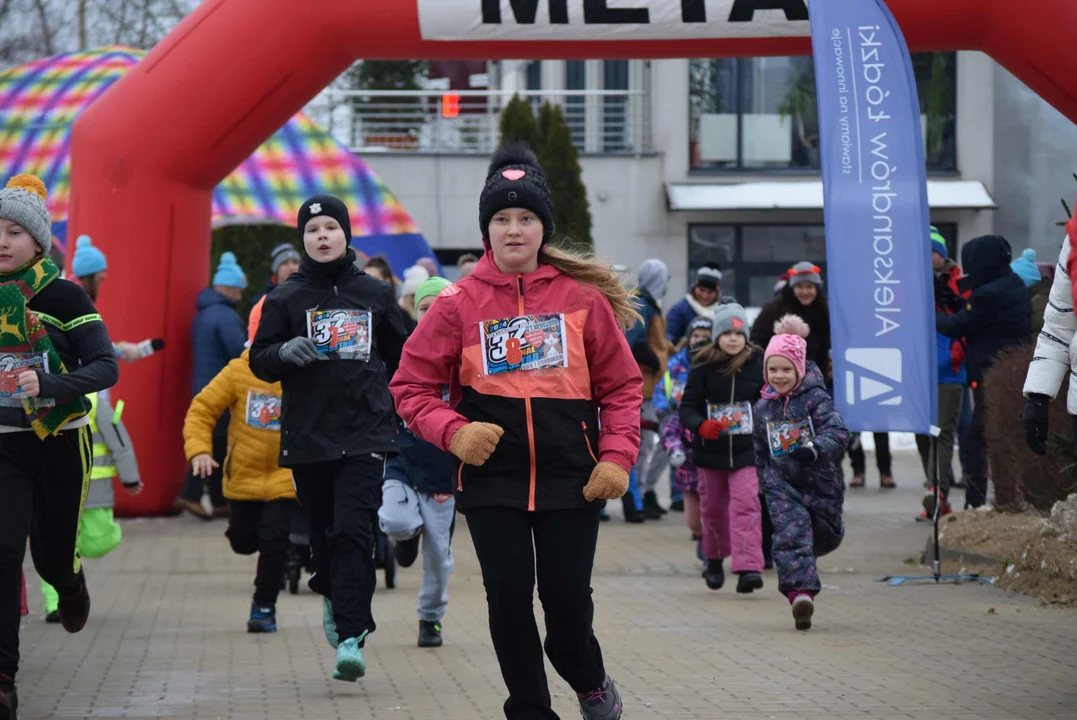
x: 936, y: 563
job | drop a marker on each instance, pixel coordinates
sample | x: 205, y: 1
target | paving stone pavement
x: 167, y: 637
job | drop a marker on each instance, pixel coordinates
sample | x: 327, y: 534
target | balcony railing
x: 468, y: 121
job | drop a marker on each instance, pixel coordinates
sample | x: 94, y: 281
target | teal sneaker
x: 350, y: 663
x: 329, y: 625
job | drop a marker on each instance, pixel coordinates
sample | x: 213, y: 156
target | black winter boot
x: 714, y: 575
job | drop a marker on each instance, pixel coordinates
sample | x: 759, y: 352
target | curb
x: 956, y: 555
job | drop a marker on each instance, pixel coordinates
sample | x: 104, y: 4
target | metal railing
x: 468, y: 121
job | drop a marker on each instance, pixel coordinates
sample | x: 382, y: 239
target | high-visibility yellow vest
x: 104, y: 467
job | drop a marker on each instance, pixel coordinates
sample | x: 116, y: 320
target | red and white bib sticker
x: 263, y: 410
x: 529, y: 342
x: 735, y: 419
x: 12, y: 364
x: 344, y: 332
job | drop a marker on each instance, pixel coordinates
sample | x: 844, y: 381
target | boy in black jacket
x: 332, y: 336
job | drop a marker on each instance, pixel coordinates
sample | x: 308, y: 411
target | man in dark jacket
x: 217, y: 337
x: 283, y: 262
x: 996, y: 315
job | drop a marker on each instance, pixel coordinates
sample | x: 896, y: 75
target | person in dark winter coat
x: 332, y: 336
x: 284, y: 261
x: 217, y: 337
x: 716, y: 408
x: 799, y: 439
x: 801, y: 296
x: 997, y: 315
x: 701, y: 301
x: 950, y: 354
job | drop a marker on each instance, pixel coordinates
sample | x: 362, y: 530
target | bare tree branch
x: 47, y: 32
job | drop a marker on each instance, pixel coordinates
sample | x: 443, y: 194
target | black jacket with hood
x: 998, y: 312
x: 337, y: 407
x: 706, y: 386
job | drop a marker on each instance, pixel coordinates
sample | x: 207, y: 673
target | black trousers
x: 558, y: 547
x: 193, y: 486
x: 263, y: 528
x: 342, y: 498
x: 42, y: 489
x: 976, y: 472
x: 882, y: 455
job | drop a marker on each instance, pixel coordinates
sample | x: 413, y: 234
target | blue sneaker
x: 350, y: 663
x: 329, y: 624
x: 263, y: 619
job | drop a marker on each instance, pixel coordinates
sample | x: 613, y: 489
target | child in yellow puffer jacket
x: 261, y: 496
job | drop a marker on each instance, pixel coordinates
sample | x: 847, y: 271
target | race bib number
x: 785, y: 436
x: 735, y: 419
x: 345, y: 332
x: 530, y: 342
x: 11, y: 365
x: 263, y: 410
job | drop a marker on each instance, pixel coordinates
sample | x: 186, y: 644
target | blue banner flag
x: 882, y: 310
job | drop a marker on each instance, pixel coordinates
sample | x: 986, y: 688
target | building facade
x: 697, y: 160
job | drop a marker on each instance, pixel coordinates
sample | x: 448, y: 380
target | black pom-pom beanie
x: 515, y: 180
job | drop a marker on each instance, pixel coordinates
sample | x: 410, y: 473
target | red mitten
x: 710, y: 430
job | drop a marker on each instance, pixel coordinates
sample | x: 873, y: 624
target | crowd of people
x: 524, y: 395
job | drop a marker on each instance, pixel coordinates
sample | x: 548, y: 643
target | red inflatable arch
x: 146, y: 156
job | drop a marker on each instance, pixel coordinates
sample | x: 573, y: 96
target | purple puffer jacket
x: 676, y: 438
x: 810, y: 399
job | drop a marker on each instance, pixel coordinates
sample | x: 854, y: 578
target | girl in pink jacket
x: 543, y: 417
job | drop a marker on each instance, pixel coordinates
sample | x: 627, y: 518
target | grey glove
x: 300, y: 351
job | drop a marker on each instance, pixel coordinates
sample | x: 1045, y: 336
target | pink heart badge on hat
x: 513, y: 174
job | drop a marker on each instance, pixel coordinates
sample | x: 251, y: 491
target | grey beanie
x: 23, y: 202
x: 805, y: 272
x: 653, y: 276
x: 729, y: 316
x: 281, y: 254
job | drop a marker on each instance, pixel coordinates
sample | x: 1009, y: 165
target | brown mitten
x: 475, y: 442
x: 608, y: 481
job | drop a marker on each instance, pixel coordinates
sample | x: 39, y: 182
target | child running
x: 54, y: 349
x: 535, y: 464
x: 725, y: 381
x: 799, y: 440
x: 417, y: 502
x: 332, y: 337
x: 260, y: 493
x: 676, y: 440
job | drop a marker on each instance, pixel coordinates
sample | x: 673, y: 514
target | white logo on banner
x: 878, y: 371
x: 611, y: 19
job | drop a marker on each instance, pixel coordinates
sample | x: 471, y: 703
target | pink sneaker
x: 803, y: 609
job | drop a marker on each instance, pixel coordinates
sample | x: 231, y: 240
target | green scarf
x: 21, y: 331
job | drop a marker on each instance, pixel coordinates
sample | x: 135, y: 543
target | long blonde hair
x: 593, y: 272
x: 727, y: 364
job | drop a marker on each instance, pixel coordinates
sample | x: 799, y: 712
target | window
x: 754, y: 256
x: 760, y: 113
x: 575, y: 105
x: 615, y: 107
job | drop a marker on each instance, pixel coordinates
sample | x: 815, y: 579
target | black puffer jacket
x: 998, y: 313
x: 706, y: 386
x: 338, y: 407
